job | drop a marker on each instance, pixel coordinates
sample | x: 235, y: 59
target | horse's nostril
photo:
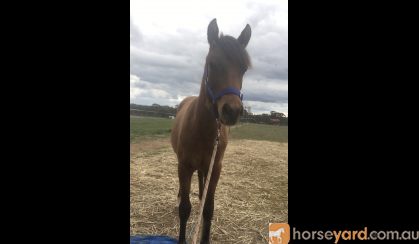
x: 230, y: 114
x: 227, y: 110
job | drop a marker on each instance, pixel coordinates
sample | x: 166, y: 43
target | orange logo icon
x: 279, y: 233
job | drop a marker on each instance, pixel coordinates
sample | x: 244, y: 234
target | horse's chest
x: 200, y: 151
x: 199, y: 154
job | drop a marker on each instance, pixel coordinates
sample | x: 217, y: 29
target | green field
x: 259, y: 132
x: 151, y: 127
x: 148, y: 127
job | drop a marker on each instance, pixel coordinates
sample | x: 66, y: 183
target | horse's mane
x: 234, y: 51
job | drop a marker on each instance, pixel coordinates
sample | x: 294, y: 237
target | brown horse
x: 218, y: 105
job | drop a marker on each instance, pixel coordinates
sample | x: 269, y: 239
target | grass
x: 260, y: 132
x: 146, y: 127
x: 153, y: 127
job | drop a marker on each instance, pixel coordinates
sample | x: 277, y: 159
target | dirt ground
x: 252, y: 191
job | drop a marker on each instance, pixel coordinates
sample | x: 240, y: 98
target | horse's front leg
x: 185, y: 175
x: 209, y: 204
x: 201, y: 182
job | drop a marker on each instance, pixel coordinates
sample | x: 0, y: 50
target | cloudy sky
x: 169, y: 46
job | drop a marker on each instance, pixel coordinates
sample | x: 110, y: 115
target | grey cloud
x: 267, y: 97
x: 269, y: 53
x: 175, y: 62
x: 261, y: 12
x: 135, y: 35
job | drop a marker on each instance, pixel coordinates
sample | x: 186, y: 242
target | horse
x: 277, y: 234
x: 199, y: 118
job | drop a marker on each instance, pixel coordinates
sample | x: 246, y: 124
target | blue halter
x: 216, y: 96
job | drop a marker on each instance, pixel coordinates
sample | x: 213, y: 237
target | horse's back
x: 185, y: 103
x: 184, y: 107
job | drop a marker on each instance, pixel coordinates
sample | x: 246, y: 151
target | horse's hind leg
x: 185, y: 175
x: 200, y: 183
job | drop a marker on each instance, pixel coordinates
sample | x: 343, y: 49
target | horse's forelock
x: 234, y: 51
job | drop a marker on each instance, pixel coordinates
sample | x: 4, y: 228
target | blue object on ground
x: 152, y: 240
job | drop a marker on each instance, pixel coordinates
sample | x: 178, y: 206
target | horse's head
x: 226, y: 63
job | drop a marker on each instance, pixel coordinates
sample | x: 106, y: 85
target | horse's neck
x: 204, y: 115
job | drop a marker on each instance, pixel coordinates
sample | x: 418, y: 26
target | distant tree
x: 275, y: 114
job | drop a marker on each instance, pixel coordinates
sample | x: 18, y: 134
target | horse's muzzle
x: 230, y: 115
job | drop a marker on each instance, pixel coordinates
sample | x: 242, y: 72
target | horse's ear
x: 212, y: 31
x: 245, y: 35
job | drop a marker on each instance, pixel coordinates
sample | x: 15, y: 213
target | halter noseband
x: 216, y: 96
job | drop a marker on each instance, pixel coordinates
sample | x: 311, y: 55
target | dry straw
x: 251, y: 193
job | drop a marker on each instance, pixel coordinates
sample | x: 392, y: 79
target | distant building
x: 275, y: 121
